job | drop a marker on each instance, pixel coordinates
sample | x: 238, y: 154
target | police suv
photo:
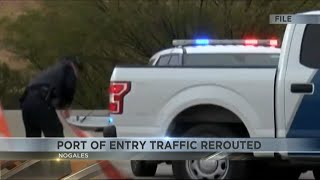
x: 225, y: 88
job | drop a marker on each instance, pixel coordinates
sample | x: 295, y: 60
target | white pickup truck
x: 217, y: 88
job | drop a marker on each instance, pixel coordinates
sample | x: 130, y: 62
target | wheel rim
x: 207, y: 169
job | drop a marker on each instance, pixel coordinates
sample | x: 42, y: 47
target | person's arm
x: 69, y: 87
x: 68, y: 91
x: 65, y: 113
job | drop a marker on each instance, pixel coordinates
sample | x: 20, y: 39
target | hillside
x: 12, y: 9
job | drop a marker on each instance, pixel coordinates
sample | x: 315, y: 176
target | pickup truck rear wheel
x: 210, y: 169
x: 144, y: 168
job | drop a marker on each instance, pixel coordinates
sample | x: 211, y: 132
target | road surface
x: 163, y: 172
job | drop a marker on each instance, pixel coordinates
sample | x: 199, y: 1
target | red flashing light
x: 251, y: 42
x: 117, y: 91
x: 273, y: 42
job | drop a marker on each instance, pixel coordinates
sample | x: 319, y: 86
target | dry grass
x: 12, y: 60
x: 12, y: 9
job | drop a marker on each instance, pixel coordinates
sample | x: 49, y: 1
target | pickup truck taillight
x: 117, y: 91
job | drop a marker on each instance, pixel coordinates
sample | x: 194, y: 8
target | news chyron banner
x: 294, y: 19
x: 147, y: 148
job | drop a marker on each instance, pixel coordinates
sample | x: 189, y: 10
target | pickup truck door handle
x: 302, y: 88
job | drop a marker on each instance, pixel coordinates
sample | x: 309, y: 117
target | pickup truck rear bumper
x: 110, y: 131
x: 89, y: 123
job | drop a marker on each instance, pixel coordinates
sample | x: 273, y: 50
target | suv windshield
x: 238, y: 60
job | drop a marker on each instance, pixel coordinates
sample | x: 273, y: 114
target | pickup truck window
x: 168, y: 60
x: 174, y: 60
x: 163, y: 60
x: 310, y: 47
x: 239, y: 60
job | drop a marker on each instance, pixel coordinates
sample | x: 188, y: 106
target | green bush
x: 11, y: 86
x: 109, y: 32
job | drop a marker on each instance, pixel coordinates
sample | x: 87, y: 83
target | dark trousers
x: 40, y: 117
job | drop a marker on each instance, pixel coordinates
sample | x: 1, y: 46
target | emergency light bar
x: 251, y: 42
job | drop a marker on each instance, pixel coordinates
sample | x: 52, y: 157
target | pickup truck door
x: 302, y: 84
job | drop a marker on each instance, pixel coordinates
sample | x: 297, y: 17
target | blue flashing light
x: 202, y: 41
x: 110, y: 120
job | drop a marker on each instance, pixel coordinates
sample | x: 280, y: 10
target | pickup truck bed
x: 162, y: 92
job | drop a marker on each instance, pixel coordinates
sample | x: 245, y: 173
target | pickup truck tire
x: 274, y: 172
x: 316, y: 174
x: 144, y: 168
x: 284, y: 173
x: 221, y: 169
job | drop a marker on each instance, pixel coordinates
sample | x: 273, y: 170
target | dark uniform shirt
x: 61, y: 80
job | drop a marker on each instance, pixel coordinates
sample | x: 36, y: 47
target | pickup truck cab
x: 230, y: 88
x: 228, y: 54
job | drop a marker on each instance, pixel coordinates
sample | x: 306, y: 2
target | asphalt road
x: 163, y: 172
